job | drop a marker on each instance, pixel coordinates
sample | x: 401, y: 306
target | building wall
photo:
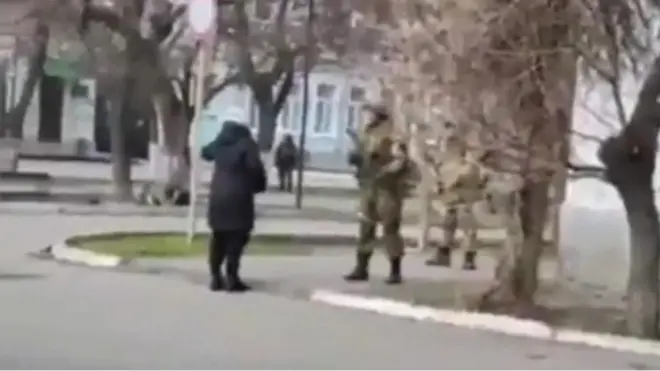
x: 77, y: 115
x: 336, y: 99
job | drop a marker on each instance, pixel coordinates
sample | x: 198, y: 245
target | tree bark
x: 169, y: 154
x: 12, y: 125
x: 270, y: 103
x: 629, y: 160
x: 121, y: 161
x: 267, y: 119
x: 517, y: 271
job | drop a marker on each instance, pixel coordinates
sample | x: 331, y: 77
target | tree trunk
x: 172, y: 154
x: 12, y: 125
x: 121, y: 161
x: 178, y: 169
x: 629, y: 160
x: 642, y: 295
x: 517, y: 272
x: 267, y: 119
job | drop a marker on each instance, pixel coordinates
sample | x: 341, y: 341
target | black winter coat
x: 286, y: 156
x: 238, y: 175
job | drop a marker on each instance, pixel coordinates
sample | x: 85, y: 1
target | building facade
x: 335, y: 103
x: 336, y: 99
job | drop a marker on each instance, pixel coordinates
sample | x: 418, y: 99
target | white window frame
x: 355, y: 107
x: 289, y: 119
x: 330, y: 116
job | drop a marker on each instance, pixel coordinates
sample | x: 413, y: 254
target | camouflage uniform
x: 461, y: 183
x: 383, y: 171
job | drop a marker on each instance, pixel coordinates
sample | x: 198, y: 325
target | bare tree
x: 257, y: 54
x: 506, y: 72
x: 267, y: 42
x: 31, y: 17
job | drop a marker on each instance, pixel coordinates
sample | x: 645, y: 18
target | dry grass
x: 584, y: 308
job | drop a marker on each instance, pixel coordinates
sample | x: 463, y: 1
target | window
x: 323, y: 109
x: 355, y: 102
x: 291, y: 114
x: 79, y: 90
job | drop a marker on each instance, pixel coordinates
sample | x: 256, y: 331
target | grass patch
x: 175, y: 245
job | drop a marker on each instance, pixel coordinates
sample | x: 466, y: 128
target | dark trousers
x: 227, y: 246
x: 286, y: 179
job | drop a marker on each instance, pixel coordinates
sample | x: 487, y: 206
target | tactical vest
x: 377, y: 143
x: 460, y: 181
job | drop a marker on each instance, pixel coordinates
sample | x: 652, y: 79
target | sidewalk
x: 99, y: 172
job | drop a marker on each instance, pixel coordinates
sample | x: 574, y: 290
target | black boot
x: 217, y: 283
x: 216, y: 258
x: 469, y: 262
x: 395, y: 272
x: 234, y: 282
x: 361, y: 270
x: 442, y: 258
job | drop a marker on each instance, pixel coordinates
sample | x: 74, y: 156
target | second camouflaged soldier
x: 461, y: 183
x: 383, y: 170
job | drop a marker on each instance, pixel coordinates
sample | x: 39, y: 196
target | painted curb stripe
x: 489, y: 322
x: 69, y: 254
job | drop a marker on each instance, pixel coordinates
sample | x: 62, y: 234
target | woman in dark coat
x: 238, y: 175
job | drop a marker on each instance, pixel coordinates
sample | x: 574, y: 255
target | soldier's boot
x: 469, y: 263
x: 361, y: 270
x: 442, y: 257
x: 395, y: 272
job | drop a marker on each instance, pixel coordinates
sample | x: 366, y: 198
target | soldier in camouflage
x: 461, y: 183
x: 382, y: 173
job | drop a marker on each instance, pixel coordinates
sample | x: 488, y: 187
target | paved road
x: 60, y: 317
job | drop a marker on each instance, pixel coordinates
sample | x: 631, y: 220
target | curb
x: 488, y: 322
x: 62, y: 252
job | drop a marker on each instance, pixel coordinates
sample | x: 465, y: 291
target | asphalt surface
x: 65, y: 317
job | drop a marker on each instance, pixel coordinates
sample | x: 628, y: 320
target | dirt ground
x: 568, y: 304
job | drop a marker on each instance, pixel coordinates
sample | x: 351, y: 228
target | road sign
x: 201, y: 16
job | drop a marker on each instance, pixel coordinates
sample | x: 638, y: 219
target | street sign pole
x: 309, y: 36
x: 201, y: 18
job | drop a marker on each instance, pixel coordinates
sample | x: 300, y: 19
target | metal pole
x: 12, y: 81
x: 194, y: 151
x: 305, y: 105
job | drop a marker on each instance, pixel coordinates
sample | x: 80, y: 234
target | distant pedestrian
x: 286, y: 159
x: 238, y: 175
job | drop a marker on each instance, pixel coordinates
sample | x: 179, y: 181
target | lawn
x: 174, y: 245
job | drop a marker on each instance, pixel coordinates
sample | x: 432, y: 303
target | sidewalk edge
x: 489, y: 322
